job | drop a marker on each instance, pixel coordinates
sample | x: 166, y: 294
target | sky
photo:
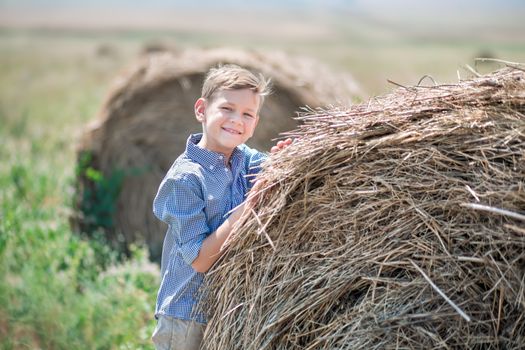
x: 508, y: 13
x: 464, y: 7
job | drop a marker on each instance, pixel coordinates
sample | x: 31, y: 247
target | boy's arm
x: 179, y: 203
x: 211, y: 246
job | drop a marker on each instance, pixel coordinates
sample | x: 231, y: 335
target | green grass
x: 57, y: 290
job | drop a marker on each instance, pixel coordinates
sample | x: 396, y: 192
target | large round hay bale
x: 398, y: 223
x: 147, y: 117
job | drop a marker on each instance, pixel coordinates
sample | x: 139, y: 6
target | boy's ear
x: 200, y: 108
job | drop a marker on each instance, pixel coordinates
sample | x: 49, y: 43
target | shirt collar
x: 208, y: 158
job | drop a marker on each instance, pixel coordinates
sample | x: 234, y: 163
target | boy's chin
x: 233, y: 142
x: 232, y: 145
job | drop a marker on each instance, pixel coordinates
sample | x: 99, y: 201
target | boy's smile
x: 228, y: 119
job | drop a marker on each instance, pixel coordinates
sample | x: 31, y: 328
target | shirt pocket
x: 213, y: 202
x: 217, y: 204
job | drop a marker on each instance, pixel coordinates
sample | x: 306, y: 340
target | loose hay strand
x: 494, y: 210
x: 440, y: 292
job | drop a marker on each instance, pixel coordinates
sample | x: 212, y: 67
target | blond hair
x: 234, y: 77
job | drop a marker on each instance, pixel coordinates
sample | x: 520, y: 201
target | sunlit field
x: 61, y: 291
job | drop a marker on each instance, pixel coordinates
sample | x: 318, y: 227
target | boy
x: 203, y: 185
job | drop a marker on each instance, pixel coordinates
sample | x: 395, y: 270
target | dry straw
x: 397, y: 223
x: 148, y: 115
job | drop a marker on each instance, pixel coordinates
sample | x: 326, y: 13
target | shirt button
x: 226, y: 169
x: 211, y: 167
x: 220, y: 157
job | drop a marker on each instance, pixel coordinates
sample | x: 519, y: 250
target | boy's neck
x: 225, y: 153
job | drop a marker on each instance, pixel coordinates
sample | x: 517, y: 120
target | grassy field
x: 59, y: 291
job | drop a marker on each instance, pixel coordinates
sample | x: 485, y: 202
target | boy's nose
x: 235, y: 117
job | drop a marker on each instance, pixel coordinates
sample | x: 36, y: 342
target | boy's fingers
x: 281, y: 144
x: 253, y: 195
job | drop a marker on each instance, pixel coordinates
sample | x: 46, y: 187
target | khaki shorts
x: 176, y: 334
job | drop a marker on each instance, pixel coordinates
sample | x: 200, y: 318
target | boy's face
x: 228, y: 119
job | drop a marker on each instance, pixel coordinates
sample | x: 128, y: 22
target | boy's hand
x: 253, y: 195
x: 281, y: 145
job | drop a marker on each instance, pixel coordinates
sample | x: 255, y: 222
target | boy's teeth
x: 232, y: 131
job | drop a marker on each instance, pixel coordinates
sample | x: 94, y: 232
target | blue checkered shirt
x: 194, y: 199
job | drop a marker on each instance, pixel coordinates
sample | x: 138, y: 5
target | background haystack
x: 398, y: 223
x: 144, y: 124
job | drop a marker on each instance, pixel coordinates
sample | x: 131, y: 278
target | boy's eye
x: 249, y: 115
x: 226, y: 108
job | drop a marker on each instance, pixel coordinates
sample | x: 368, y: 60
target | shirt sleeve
x: 253, y: 162
x: 255, y: 159
x: 179, y: 203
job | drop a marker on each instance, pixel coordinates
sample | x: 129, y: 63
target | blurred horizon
x: 375, y: 40
x: 444, y: 17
